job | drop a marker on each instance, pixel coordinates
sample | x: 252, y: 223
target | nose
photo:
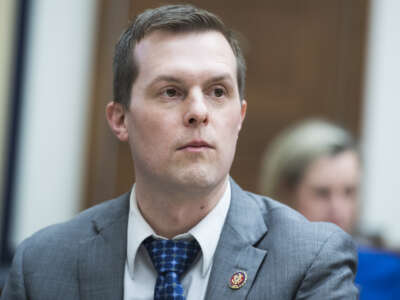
x: 337, y: 207
x: 196, y: 110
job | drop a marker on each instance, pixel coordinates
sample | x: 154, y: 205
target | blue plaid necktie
x: 170, y: 258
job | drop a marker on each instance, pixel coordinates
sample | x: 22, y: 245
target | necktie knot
x: 171, y: 255
x: 170, y: 258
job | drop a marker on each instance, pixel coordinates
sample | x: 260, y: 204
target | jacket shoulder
x: 61, y: 241
x: 85, y: 224
x: 313, y: 256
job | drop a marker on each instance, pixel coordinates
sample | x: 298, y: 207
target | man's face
x: 185, y: 113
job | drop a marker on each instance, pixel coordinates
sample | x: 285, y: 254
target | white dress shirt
x: 140, y: 275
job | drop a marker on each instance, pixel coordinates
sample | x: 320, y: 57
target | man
x: 186, y: 230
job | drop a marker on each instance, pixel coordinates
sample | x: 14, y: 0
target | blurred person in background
x: 315, y: 168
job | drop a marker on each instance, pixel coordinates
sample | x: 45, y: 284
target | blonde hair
x: 291, y: 152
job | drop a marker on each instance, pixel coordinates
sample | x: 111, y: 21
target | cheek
x: 151, y: 127
x: 228, y: 138
x: 301, y: 200
x: 303, y: 196
x: 231, y: 126
x: 308, y: 204
x: 351, y: 207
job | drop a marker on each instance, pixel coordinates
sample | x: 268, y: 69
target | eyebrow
x: 222, y: 77
x: 169, y: 78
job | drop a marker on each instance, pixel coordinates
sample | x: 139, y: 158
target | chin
x: 200, y: 179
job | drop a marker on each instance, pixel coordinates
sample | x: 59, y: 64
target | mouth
x: 196, y: 146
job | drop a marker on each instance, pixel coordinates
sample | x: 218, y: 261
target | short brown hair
x: 173, y: 18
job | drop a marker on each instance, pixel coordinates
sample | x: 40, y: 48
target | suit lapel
x: 102, y: 257
x: 244, y: 226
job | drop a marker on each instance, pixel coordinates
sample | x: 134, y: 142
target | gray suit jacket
x: 284, y: 255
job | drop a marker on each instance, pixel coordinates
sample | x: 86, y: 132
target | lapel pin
x: 238, y: 280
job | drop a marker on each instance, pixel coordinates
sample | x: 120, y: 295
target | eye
x: 171, y: 92
x: 218, y: 92
x: 350, y: 192
x: 322, y: 192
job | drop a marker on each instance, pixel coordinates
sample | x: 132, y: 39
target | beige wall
x: 54, y: 112
x: 381, y: 139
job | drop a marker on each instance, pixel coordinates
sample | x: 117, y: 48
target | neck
x: 171, y: 212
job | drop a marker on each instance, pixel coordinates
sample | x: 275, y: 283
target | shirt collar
x: 139, y: 230
x: 208, y: 230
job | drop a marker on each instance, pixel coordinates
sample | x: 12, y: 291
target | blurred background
x: 333, y: 59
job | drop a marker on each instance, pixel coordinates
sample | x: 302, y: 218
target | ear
x: 115, y: 114
x: 243, y: 109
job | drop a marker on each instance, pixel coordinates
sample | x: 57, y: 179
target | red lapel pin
x: 238, y: 280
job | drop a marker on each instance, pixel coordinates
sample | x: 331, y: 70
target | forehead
x: 189, y: 52
x: 342, y: 167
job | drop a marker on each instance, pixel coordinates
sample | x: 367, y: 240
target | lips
x: 196, y: 144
